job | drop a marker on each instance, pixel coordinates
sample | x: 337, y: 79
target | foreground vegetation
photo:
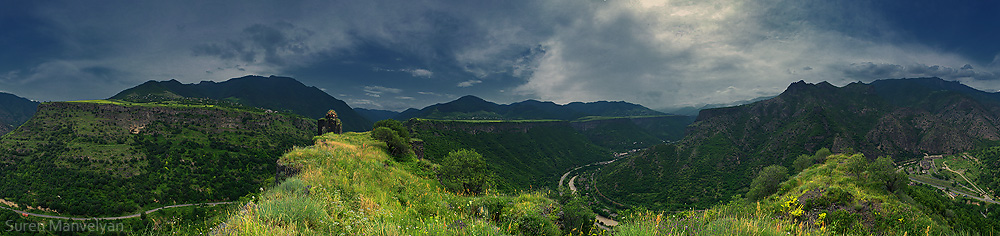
x: 846, y: 195
x: 349, y: 184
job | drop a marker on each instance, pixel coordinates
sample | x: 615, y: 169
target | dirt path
x: 112, y: 218
x: 987, y: 196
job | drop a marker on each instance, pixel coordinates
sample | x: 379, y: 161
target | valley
x: 815, y: 160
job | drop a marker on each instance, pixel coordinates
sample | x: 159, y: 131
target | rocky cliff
x: 725, y: 147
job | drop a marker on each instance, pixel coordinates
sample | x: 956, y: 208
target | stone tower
x: 330, y: 123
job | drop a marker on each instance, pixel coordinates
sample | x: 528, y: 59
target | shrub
x: 767, y: 181
x: 577, y: 217
x: 398, y: 148
x: 464, y: 171
x: 395, y: 126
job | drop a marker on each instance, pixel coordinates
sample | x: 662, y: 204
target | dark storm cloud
x: 269, y: 42
x: 869, y: 71
x: 657, y: 53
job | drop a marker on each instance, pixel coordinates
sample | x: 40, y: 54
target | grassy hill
x: 522, y: 154
x: 826, y: 199
x: 107, y: 157
x: 274, y: 92
x: 349, y: 185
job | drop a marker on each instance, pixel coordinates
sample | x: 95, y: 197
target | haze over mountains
x: 474, y: 108
x: 14, y: 111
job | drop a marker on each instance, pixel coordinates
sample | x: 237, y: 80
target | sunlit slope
x: 349, y: 185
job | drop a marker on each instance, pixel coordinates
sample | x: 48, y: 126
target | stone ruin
x: 330, y: 123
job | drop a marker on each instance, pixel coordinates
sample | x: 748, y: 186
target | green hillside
x: 628, y: 133
x: 522, y: 154
x: 274, y: 92
x: 349, y: 185
x: 105, y: 157
x: 726, y: 146
x: 846, y: 195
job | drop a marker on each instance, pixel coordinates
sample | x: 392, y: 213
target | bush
x: 577, y: 217
x: 464, y: 171
x: 398, y: 148
x: 802, y: 162
x: 395, y: 126
x: 767, y: 181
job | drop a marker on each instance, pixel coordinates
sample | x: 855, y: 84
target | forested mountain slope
x: 97, y: 158
x: 726, y: 146
x: 274, y: 92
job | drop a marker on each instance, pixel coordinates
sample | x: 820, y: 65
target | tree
x: 856, y: 165
x: 464, y: 171
x: 767, y: 181
x: 883, y: 175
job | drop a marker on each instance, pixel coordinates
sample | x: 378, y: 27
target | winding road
x: 116, y: 217
x: 604, y: 221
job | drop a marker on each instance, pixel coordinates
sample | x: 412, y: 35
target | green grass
x: 822, y: 200
x: 349, y: 185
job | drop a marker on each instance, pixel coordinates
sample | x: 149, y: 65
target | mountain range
x: 14, y: 111
x: 475, y: 108
x: 274, y: 92
x: 900, y: 118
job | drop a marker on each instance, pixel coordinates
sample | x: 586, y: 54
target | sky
x: 394, y: 55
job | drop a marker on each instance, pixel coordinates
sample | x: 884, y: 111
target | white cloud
x: 424, y: 73
x: 469, y: 83
x: 381, y: 90
x: 668, y: 53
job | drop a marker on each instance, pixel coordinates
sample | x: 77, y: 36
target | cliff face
x: 807, y: 117
x: 725, y: 147
x: 109, y: 158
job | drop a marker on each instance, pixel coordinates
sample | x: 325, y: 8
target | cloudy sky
x: 412, y: 53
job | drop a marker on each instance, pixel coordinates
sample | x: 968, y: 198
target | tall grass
x: 349, y: 185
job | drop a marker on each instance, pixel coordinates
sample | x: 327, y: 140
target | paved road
x: 956, y: 192
x: 572, y: 186
x: 113, y: 218
x: 967, y: 180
